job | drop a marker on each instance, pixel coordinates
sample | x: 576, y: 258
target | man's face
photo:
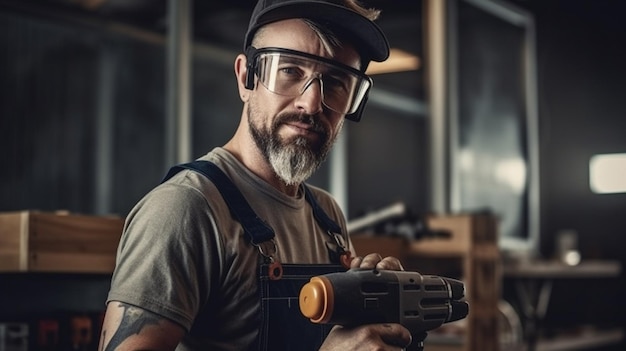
x: 295, y: 133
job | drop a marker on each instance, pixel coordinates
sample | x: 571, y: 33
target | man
x: 187, y: 274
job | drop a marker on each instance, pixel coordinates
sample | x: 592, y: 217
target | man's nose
x: 312, y: 97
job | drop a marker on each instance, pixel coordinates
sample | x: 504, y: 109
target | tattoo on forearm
x: 133, y: 321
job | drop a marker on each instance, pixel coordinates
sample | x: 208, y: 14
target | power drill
x: 363, y: 296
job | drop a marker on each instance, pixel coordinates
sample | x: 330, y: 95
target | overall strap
x: 344, y: 256
x: 322, y: 218
x: 255, y: 227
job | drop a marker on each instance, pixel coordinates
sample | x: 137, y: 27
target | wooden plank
x: 13, y: 241
x: 74, y: 233
x: 40, y: 241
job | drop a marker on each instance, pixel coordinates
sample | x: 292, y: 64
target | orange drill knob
x: 316, y: 300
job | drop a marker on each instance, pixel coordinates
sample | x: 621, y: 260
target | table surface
x: 556, y: 269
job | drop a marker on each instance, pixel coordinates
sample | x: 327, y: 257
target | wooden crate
x: 467, y: 231
x: 32, y: 241
x: 474, y: 241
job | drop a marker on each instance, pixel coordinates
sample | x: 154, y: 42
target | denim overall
x: 281, y: 326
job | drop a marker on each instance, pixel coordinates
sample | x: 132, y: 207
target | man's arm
x: 127, y: 327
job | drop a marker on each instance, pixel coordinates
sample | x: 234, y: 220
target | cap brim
x: 371, y: 40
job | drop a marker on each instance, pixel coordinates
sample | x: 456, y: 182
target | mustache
x: 312, y: 120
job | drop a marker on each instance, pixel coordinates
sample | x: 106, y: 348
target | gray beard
x: 295, y: 160
x: 293, y: 163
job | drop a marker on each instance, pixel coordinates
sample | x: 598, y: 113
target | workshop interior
x: 492, y: 152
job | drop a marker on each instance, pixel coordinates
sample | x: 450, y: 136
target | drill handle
x: 417, y: 342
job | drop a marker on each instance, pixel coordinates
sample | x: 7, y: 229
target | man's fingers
x: 395, y: 334
x: 370, y: 261
x: 390, y: 263
x: 375, y: 260
x: 356, y: 262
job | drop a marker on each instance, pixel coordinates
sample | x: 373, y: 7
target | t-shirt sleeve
x: 166, y: 254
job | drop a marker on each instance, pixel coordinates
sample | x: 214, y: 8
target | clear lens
x: 290, y: 74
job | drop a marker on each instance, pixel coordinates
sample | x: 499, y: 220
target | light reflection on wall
x: 607, y: 173
x: 495, y: 182
x: 509, y: 172
x: 512, y: 173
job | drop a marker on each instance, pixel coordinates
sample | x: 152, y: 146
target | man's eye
x: 335, y: 83
x: 292, y: 72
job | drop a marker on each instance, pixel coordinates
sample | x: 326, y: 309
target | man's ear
x: 245, y: 80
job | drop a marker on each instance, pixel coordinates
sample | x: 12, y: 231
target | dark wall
x: 582, y: 84
x: 582, y: 112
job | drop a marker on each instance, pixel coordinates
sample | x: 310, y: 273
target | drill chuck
x: 418, y: 302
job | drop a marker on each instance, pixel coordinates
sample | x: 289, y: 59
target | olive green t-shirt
x: 184, y: 257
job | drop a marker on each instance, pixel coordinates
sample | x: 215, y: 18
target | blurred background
x: 487, y: 106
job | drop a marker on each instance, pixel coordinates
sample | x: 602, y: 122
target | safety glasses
x: 289, y: 73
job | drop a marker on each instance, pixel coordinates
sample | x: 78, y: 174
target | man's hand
x: 374, y: 260
x: 387, y: 336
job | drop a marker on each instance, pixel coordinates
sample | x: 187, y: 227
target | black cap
x: 371, y: 43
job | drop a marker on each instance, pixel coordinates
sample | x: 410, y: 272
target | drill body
x: 419, y: 302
